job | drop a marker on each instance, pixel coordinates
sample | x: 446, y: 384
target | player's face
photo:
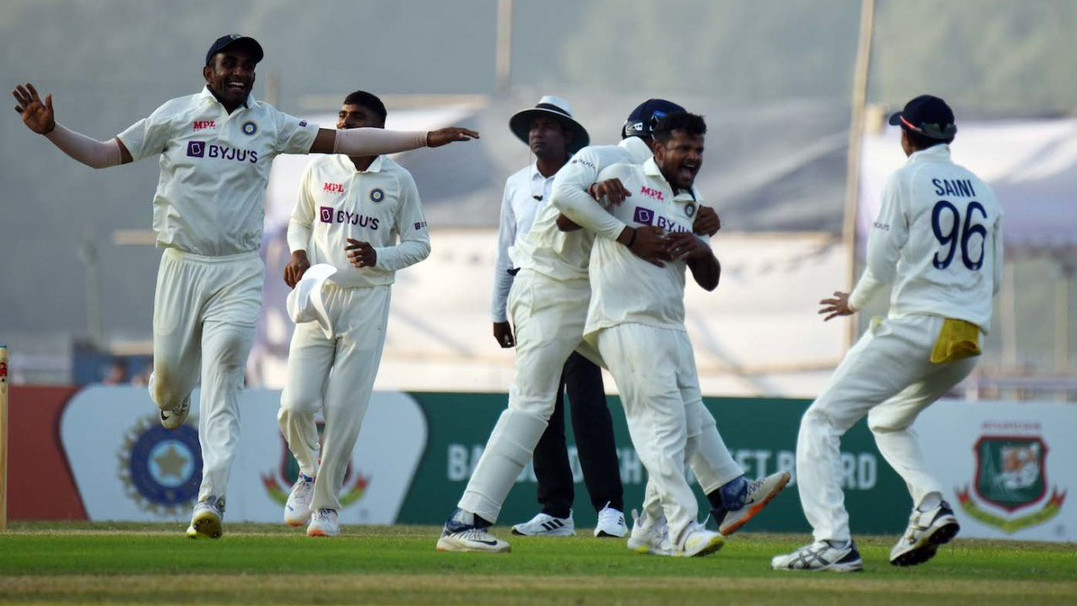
x: 357, y: 116
x: 231, y: 76
x: 680, y: 158
x: 548, y: 138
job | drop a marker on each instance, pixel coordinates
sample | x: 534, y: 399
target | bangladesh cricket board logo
x: 279, y: 484
x: 1011, y: 476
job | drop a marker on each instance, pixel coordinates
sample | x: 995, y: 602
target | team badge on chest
x: 249, y: 128
x: 377, y: 195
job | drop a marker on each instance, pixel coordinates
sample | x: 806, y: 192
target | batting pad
x: 508, y: 450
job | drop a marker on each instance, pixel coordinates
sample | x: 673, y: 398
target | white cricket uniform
x: 636, y: 319
x: 336, y: 373
x: 938, y: 240
x: 548, y: 305
x: 208, y: 215
x: 526, y: 193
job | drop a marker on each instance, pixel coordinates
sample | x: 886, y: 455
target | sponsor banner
x: 760, y: 433
x: 127, y: 467
x: 1007, y: 467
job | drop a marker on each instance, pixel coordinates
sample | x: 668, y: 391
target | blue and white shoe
x: 821, y: 556
x: 297, y: 509
x: 927, y: 530
x: 462, y: 534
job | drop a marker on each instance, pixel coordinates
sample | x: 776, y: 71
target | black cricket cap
x: 226, y: 41
x: 928, y: 116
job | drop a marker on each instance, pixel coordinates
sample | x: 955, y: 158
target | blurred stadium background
x: 795, y: 92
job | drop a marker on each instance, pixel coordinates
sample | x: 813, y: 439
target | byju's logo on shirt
x: 328, y: 214
x: 201, y: 149
x: 643, y: 215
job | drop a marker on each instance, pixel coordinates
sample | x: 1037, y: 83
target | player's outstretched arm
x: 376, y: 141
x: 40, y: 117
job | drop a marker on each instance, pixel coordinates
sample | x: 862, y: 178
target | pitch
x: 48, y: 563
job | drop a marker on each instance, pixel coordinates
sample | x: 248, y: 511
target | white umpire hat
x: 305, y: 302
x: 520, y: 123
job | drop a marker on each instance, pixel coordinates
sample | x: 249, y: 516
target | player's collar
x: 208, y: 94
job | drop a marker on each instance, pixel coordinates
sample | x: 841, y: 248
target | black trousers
x: 593, y: 427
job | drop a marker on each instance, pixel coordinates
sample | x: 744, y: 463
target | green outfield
x: 129, y: 563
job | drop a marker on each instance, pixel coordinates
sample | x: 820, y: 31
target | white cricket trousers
x: 888, y: 376
x: 549, y: 317
x: 655, y: 370
x: 335, y: 375
x: 204, y: 316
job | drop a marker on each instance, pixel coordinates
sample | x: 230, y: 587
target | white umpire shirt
x: 565, y: 255
x: 938, y: 239
x: 380, y: 206
x: 526, y: 193
x: 624, y: 288
x: 210, y: 196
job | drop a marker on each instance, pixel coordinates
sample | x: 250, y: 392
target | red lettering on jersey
x: 651, y: 193
x: 334, y: 188
x: 204, y: 124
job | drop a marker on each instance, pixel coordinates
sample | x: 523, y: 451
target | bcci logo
x: 377, y: 195
x: 161, y: 469
x: 1010, y: 491
x: 279, y: 484
x: 249, y: 128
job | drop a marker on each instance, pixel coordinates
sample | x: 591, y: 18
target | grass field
x: 130, y: 563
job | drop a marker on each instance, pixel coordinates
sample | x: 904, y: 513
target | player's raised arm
x: 40, y: 117
x: 376, y: 141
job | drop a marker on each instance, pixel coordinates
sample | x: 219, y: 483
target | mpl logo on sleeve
x: 1010, y: 491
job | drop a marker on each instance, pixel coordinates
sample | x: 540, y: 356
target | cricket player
x: 636, y: 319
x: 938, y: 243
x: 553, y: 135
x: 215, y: 149
x: 363, y: 216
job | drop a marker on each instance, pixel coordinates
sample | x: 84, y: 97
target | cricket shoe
x: 297, y: 509
x: 175, y: 418
x: 700, y: 542
x: 611, y: 523
x: 927, y: 530
x: 206, y: 521
x: 323, y: 523
x: 461, y: 533
x: 760, y: 493
x: 649, y: 536
x: 819, y: 556
x: 546, y: 525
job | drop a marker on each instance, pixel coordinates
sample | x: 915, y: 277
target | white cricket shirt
x: 526, y: 193
x: 564, y: 255
x: 210, y: 197
x: 938, y: 239
x: 379, y: 205
x: 625, y: 288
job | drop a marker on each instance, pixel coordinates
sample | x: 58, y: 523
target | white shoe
x: 545, y: 525
x: 471, y: 539
x: 175, y: 418
x: 700, y: 542
x: 297, y: 509
x: 927, y: 530
x: 206, y: 520
x: 649, y: 536
x: 820, y: 556
x: 611, y: 523
x: 323, y: 523
x: 760, y: 493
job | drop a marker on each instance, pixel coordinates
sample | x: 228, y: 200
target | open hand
x: 444, y: 136
x: 37, y: 116
x: 837, y: 306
